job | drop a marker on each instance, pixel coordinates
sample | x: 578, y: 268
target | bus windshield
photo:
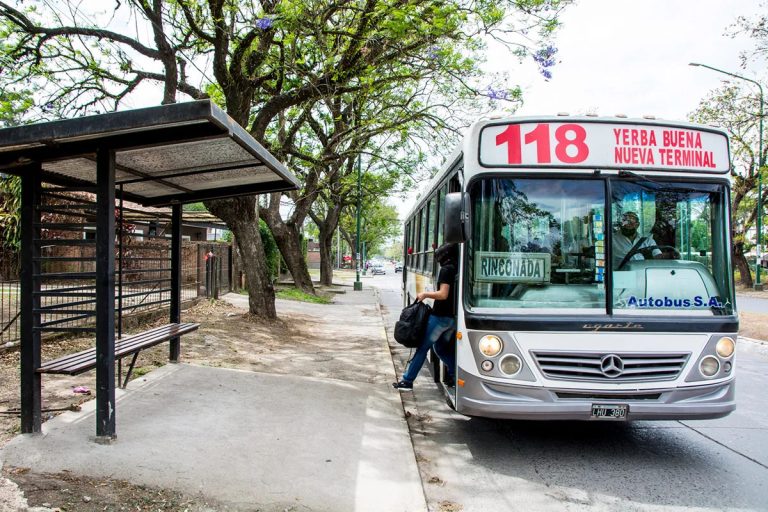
x: 549, y: 245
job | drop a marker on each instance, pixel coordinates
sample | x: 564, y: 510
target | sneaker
x: 403, y: 385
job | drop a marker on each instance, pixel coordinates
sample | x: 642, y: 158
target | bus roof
x: 449, y: 164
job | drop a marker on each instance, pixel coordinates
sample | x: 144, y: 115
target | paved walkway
x: 253, y: 440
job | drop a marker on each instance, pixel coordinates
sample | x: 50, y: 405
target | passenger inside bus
x: 628, y: 244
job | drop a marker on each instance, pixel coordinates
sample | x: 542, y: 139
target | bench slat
x: 129, y: 345
x: 79, y: 362
x: 86, y: 360
x: 90, y: 354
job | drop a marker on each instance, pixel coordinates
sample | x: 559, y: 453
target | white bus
x: 595, y: 279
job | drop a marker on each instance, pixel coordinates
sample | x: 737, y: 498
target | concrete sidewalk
x: 254, y: 440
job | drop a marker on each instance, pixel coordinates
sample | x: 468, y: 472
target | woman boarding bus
x: 595, y: 278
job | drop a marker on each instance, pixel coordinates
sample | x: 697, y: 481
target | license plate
x: 616, y: 412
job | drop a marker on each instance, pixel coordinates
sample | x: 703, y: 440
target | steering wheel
x: 649, y: 250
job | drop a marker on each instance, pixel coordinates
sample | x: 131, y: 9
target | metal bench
x: 80, y: 362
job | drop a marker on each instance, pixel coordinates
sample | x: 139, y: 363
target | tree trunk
x: 327, y: 227
x: 741, y: 263
x: 242, y: 217
x: 326, y: 261
x: 288, y: 240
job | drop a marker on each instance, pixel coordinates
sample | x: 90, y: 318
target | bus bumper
x: 505, y: 401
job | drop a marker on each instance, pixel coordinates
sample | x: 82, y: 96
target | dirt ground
x: 227, y: 338
x: 753, y: 325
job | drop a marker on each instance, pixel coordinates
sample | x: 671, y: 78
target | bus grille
x: 611, y: 367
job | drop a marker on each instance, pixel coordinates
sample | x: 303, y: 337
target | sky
x: 631, y: 57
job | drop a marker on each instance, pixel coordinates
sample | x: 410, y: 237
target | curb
x: 407, y: 400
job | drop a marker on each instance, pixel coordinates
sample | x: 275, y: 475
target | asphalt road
x: 475, y: 464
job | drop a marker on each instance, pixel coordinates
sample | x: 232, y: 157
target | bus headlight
x: 510, y: 365
x: 709, y: 366
x: 490, y: 345
x: 725, y: 347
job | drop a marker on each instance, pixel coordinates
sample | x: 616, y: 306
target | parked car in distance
x: 377, y: 269
x: 398, y: 267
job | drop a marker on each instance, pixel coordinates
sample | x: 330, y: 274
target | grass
x: 141, y: 371
x: 296, y: 294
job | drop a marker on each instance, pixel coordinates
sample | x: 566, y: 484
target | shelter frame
x: 167, y: 155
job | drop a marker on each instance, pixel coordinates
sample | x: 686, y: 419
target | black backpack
x: 409, y: 330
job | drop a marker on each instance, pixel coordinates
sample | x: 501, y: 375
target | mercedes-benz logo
x: 612, y: 366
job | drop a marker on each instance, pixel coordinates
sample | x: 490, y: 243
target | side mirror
x: 456, y: 218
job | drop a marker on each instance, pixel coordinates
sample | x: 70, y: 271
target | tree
x: 386, y: 131
x: 757, y: 29
x: 395, y: 250
x: 259, y: 60
x: 379, y: 224
x: 735, y: 107
x: 735, y: 110
x: 13, y: 105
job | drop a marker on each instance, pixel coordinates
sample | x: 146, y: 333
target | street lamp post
x: 760, y: 164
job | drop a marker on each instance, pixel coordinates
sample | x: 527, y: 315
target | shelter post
x: 105, y: 293
x: 176, y: 215
x: 31, y: 400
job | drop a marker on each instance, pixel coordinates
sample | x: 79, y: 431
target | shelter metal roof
x: 178, y: 153
x: 133, y: 212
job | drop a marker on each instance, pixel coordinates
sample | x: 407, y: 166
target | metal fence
x: 9, y: 312
x: 202, y: 276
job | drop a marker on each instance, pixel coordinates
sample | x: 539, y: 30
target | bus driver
x: 628, y: 245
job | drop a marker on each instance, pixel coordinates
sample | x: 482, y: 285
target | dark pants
x: 439, y: 334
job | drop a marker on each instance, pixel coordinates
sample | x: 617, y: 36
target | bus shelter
x: 158, y: 156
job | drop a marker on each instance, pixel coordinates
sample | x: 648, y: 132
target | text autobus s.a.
x: 595, y: 277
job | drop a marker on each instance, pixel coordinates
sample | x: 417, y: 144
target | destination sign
x: 512, y: 267
x: 604, y: 145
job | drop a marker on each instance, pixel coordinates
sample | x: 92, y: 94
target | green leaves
x: 13, y: 106
x: 10, y: 212
x: 318, y: 82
